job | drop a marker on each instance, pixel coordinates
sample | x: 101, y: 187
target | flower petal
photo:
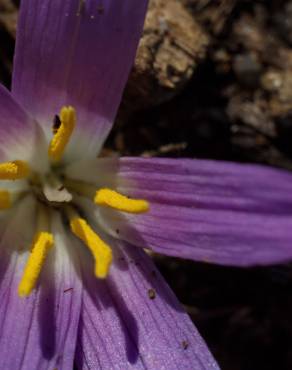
x: 203, y: 210
x: 19, y: 134
x: 38, y: 332
x: 133, y: 320
x: 79, y: 53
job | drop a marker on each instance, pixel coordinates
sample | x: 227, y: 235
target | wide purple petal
x: 79, y: 53
x: 38, y: 332
x: 19, y: 134
x: 132, y: 320
x: 203, y: 210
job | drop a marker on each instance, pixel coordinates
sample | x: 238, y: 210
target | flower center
x: 55, y: 191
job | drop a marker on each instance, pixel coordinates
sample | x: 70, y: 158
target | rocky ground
x: 212, y: 79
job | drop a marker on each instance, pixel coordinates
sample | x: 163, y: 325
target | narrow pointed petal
x: 38, y: 332
x: 79, y: 53
x: 19, y: 134
x: 132, y: 320
x: 203, y: 210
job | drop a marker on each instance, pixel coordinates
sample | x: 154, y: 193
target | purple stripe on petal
x: 39, y: 332
x: 19, y: 134
x: 78, y: 53
x: 133, y: 321
x: 203, y: 210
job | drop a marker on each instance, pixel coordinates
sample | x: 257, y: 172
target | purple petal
x: 19, y: 134
x: 133, y: 320
x: 203, y: 210
x: 79, y: 53
x: 38, y: 332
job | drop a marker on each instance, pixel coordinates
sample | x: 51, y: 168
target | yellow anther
x: 43, y: 241
x: 101, y: 251
x: 63, y: 134
x: 5, y: 200
x: 110, y: 198
x: 14, y: 170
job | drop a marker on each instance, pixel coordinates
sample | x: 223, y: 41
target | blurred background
x: 212, y: 79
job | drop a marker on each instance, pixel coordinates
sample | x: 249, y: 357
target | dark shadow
x: 105, y: 295
x: 5, y: 261
x: 47, y: 311
x: 5, y: 285
x: 128, y: 321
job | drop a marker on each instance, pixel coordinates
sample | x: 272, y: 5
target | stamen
x: 113, y: 199
x: 100, y: 250
x: 41, y: 245
x: 5, y: 200
x: 63, y: 134
x: 43, y: 241
x: 14, y: 170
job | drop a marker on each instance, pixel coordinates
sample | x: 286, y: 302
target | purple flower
x: 76, y: 284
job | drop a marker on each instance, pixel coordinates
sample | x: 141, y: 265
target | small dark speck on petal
x: 185, y: 344
x: 62, y: 187
x: 67, y: 290
x: 117, y: 231
x: 151, y: 293
x: 56, y: 123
